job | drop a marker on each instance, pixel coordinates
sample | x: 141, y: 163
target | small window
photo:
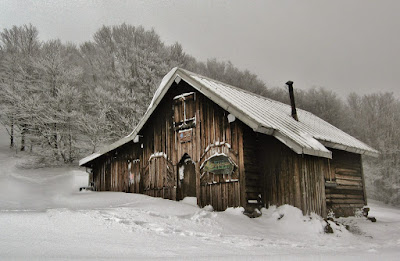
x: 184, y: 110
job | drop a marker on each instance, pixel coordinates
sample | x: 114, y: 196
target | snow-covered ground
x: 43, y: 216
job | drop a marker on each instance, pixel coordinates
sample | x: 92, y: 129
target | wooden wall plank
x: 349, y: 181
x: 290, y: 178
x: 242, y: 176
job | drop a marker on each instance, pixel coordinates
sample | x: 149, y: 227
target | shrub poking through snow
x: 328, y: 229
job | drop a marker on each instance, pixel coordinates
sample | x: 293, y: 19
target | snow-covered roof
x: 310, y: 135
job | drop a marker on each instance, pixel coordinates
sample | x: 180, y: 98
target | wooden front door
x: 187, y: 179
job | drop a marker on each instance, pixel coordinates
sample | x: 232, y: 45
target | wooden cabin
x: 229, y: 147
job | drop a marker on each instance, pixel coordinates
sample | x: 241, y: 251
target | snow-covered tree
x: 376, y: 120
x: 20, y: 47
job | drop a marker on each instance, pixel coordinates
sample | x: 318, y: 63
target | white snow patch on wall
x: 183, y: 95
x: 157, y: 155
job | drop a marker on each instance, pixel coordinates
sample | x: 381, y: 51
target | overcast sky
x: 344, y: 46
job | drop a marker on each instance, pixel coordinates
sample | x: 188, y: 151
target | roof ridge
x: 246, y: 91
x: 232, y: 86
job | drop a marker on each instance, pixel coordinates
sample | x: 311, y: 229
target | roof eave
x: 83, y: 162
x: 299, y: 149
x: 104, y: 150
x: 265, y: 130
x: 372, y: 152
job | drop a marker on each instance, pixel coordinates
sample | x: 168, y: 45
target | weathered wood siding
x: 286, y: 177
x: 151, y: 165
x: 218, y: 136
x: 157, y: 137
x: 345, y: 191
x: 111, y: 171
x: 266, y: 171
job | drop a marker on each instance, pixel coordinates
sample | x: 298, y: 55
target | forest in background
x: 61, y: 101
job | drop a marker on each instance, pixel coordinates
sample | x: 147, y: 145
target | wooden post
x: 198, y: 192
x: 321, y: 191
x: 297, y: 185
x: 242, y: 177
x: 197, y: 151
x: 363, y: 181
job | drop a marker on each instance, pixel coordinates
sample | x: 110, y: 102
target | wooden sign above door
x: 185, y: 135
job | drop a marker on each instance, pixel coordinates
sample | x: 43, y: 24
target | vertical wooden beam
x: 303, y: 186
x: 198, y: 192
x: 242, y: 176
x: 363, y: 181
x: 324, y: 211
x: 201, y: 123
x: 174, y: 191
x: 213, y: 132
x: 297, y: 186
x: 197, y: 151
x: 227, y: 130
